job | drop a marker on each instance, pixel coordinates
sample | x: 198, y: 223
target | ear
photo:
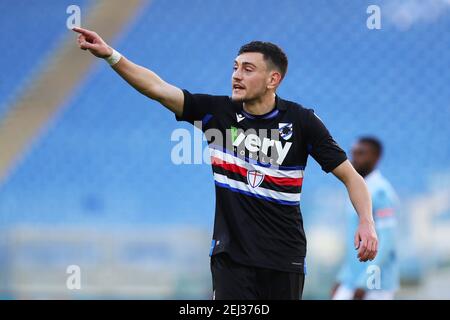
x: 274, y: 80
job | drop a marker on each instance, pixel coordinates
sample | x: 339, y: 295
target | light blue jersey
x: 356, y: 274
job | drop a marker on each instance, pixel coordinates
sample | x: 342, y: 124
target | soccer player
x: 259, y: 246
x: 379, y: 279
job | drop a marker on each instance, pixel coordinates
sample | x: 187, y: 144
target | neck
x: 260, y: 106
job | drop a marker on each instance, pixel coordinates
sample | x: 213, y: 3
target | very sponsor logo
x: 261, y: 143
x: 267, y: 146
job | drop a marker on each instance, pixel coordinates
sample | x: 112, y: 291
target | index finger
x: 83, y: 31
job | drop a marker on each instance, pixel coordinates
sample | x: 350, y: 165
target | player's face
x: 250, y: 77
x: 364, y: 158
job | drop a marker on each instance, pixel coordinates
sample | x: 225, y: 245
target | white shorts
x: 344, y: 293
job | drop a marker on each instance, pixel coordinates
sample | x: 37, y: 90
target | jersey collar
x: 280, y: 105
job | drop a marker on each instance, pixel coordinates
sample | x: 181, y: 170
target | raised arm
x: 366, y: 240
x: 143, y: 80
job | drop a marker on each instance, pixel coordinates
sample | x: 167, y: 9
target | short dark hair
x: 270, y: 51
x: 374, y: 142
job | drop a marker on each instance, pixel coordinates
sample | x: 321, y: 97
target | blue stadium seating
x: 106, y: 158
x: 29, y: 32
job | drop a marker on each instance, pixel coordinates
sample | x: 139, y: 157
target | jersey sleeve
x: 321, y: 145
x: 197, y: 107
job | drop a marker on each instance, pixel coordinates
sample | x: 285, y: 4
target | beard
x: 248, y: 98
x: 238, y: 99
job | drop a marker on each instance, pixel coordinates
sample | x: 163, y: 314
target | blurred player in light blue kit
x: 377, y: 279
